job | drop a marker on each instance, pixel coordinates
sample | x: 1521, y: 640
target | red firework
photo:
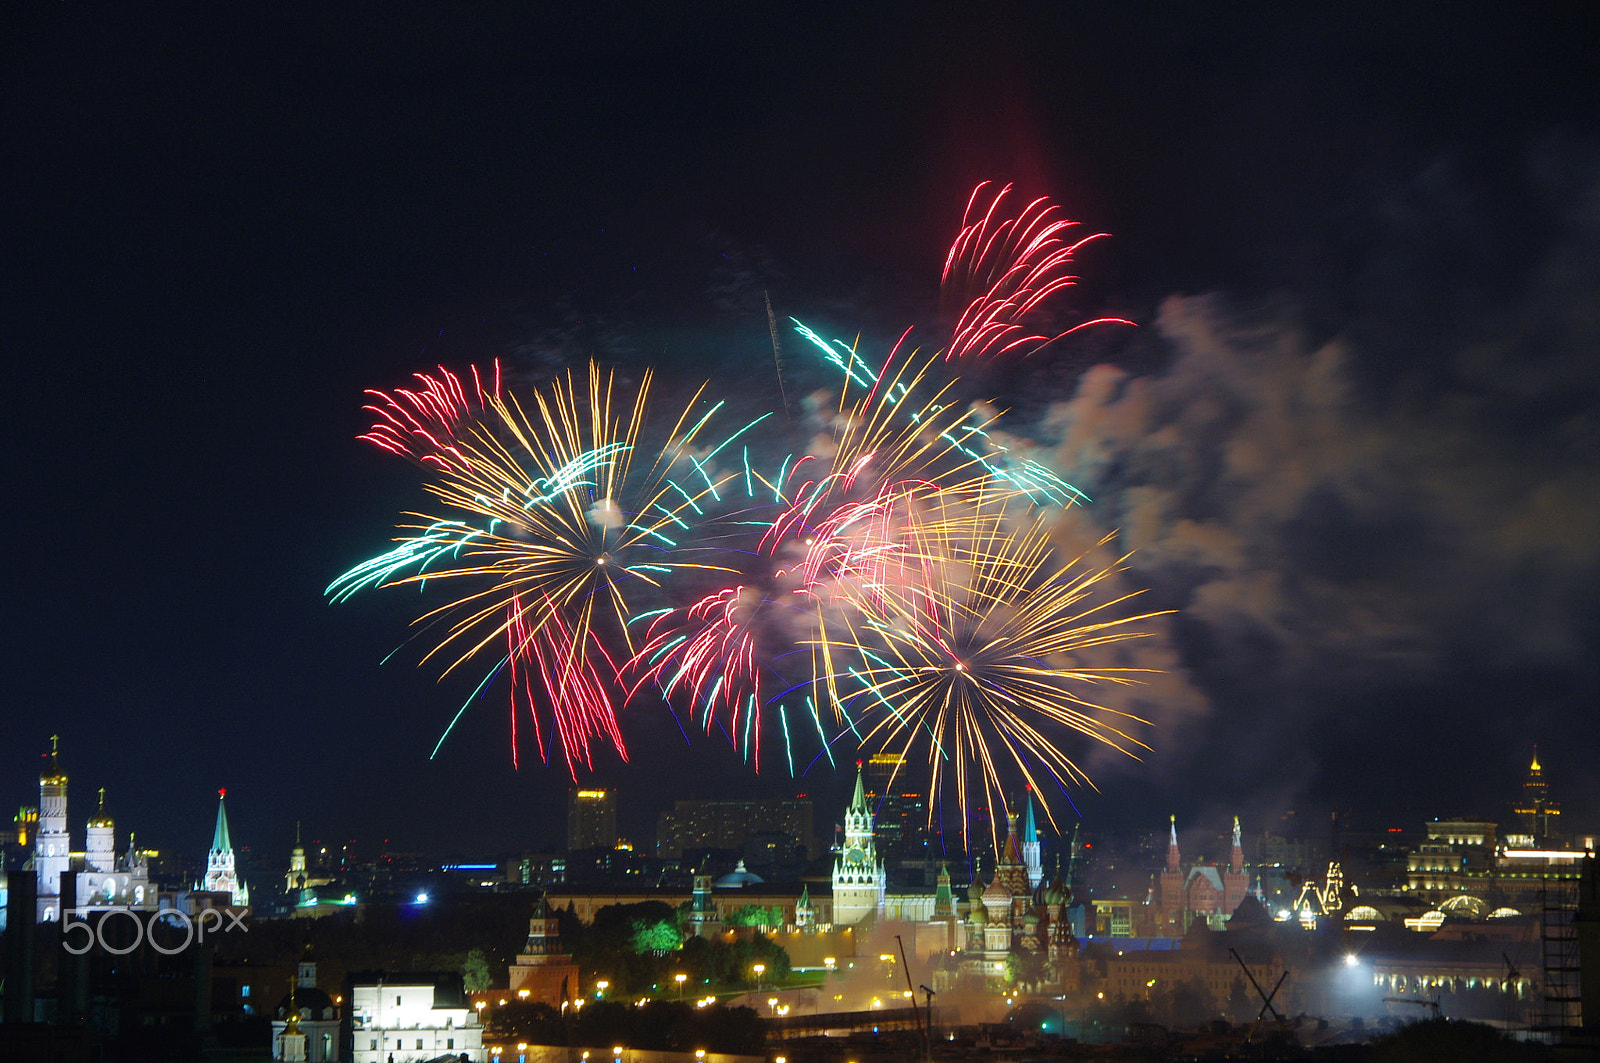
x: 1000, y: 269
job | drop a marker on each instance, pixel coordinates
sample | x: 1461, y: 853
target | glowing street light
x: 760, y: 969
x: 680, y: 978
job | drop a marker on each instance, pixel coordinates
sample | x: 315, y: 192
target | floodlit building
x: 410, y: 1017
x: 221, y: 874
x: 859, y: 878
x: 52, y: 845
x: 544, y: 972
x: 1205, y: 891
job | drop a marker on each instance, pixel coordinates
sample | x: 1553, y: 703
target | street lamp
x: 760, y: 969
x: 680, y: 978
x: 600, y: 987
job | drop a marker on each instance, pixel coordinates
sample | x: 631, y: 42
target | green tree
x: 655, y: 937
x: 475, y: 971
x: 756, y: 915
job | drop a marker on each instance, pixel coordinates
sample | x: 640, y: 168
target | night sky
x: 1354, y: 441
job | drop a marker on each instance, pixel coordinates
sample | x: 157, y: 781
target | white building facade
x: 400, y: 1018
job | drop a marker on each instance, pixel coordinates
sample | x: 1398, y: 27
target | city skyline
x: 1351, y: 441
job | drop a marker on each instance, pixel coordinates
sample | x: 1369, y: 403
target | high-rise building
x: 591, y: 819
x: 692, y: 825
x: 1535, y: 811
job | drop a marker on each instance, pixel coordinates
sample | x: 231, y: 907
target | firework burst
x: 973, y: 659
x: 555, y: 531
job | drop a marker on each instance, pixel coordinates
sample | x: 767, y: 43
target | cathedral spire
x: 858, y: 803
x: 1172, y: 846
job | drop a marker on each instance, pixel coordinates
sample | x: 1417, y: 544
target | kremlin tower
x: 859, y: 877
x: 221, y: 877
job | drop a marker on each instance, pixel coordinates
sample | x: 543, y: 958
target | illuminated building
x: 408, y: 1017
x: 27, y: 824
x: 1205, y: 891
x: 1017, y: 914
x: 221, y: 874
x: 52, y: 846
x: 104, y: 881
x: 859, y: 878
x: 544, y: 973
x: 108, y: 881
x: 1535, y: 812
x: 305, y: 1025
x: 299, y: 879
x: 899, y: 816
x: 591, y: 819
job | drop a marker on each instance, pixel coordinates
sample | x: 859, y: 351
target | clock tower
x: 859, y: 880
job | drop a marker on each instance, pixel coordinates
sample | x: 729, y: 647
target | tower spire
x: 219, y: 838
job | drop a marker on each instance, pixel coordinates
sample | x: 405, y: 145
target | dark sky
x: 1355, y: 441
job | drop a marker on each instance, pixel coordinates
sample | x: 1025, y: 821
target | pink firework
x: 1001, y: 269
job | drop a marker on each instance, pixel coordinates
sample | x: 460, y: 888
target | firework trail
x: 1000, y: 270
x: 554, y: 532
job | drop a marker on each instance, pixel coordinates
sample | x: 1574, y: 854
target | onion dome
x: 1055, y: 893
x: 996, y: 896
x: 100, y: 819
